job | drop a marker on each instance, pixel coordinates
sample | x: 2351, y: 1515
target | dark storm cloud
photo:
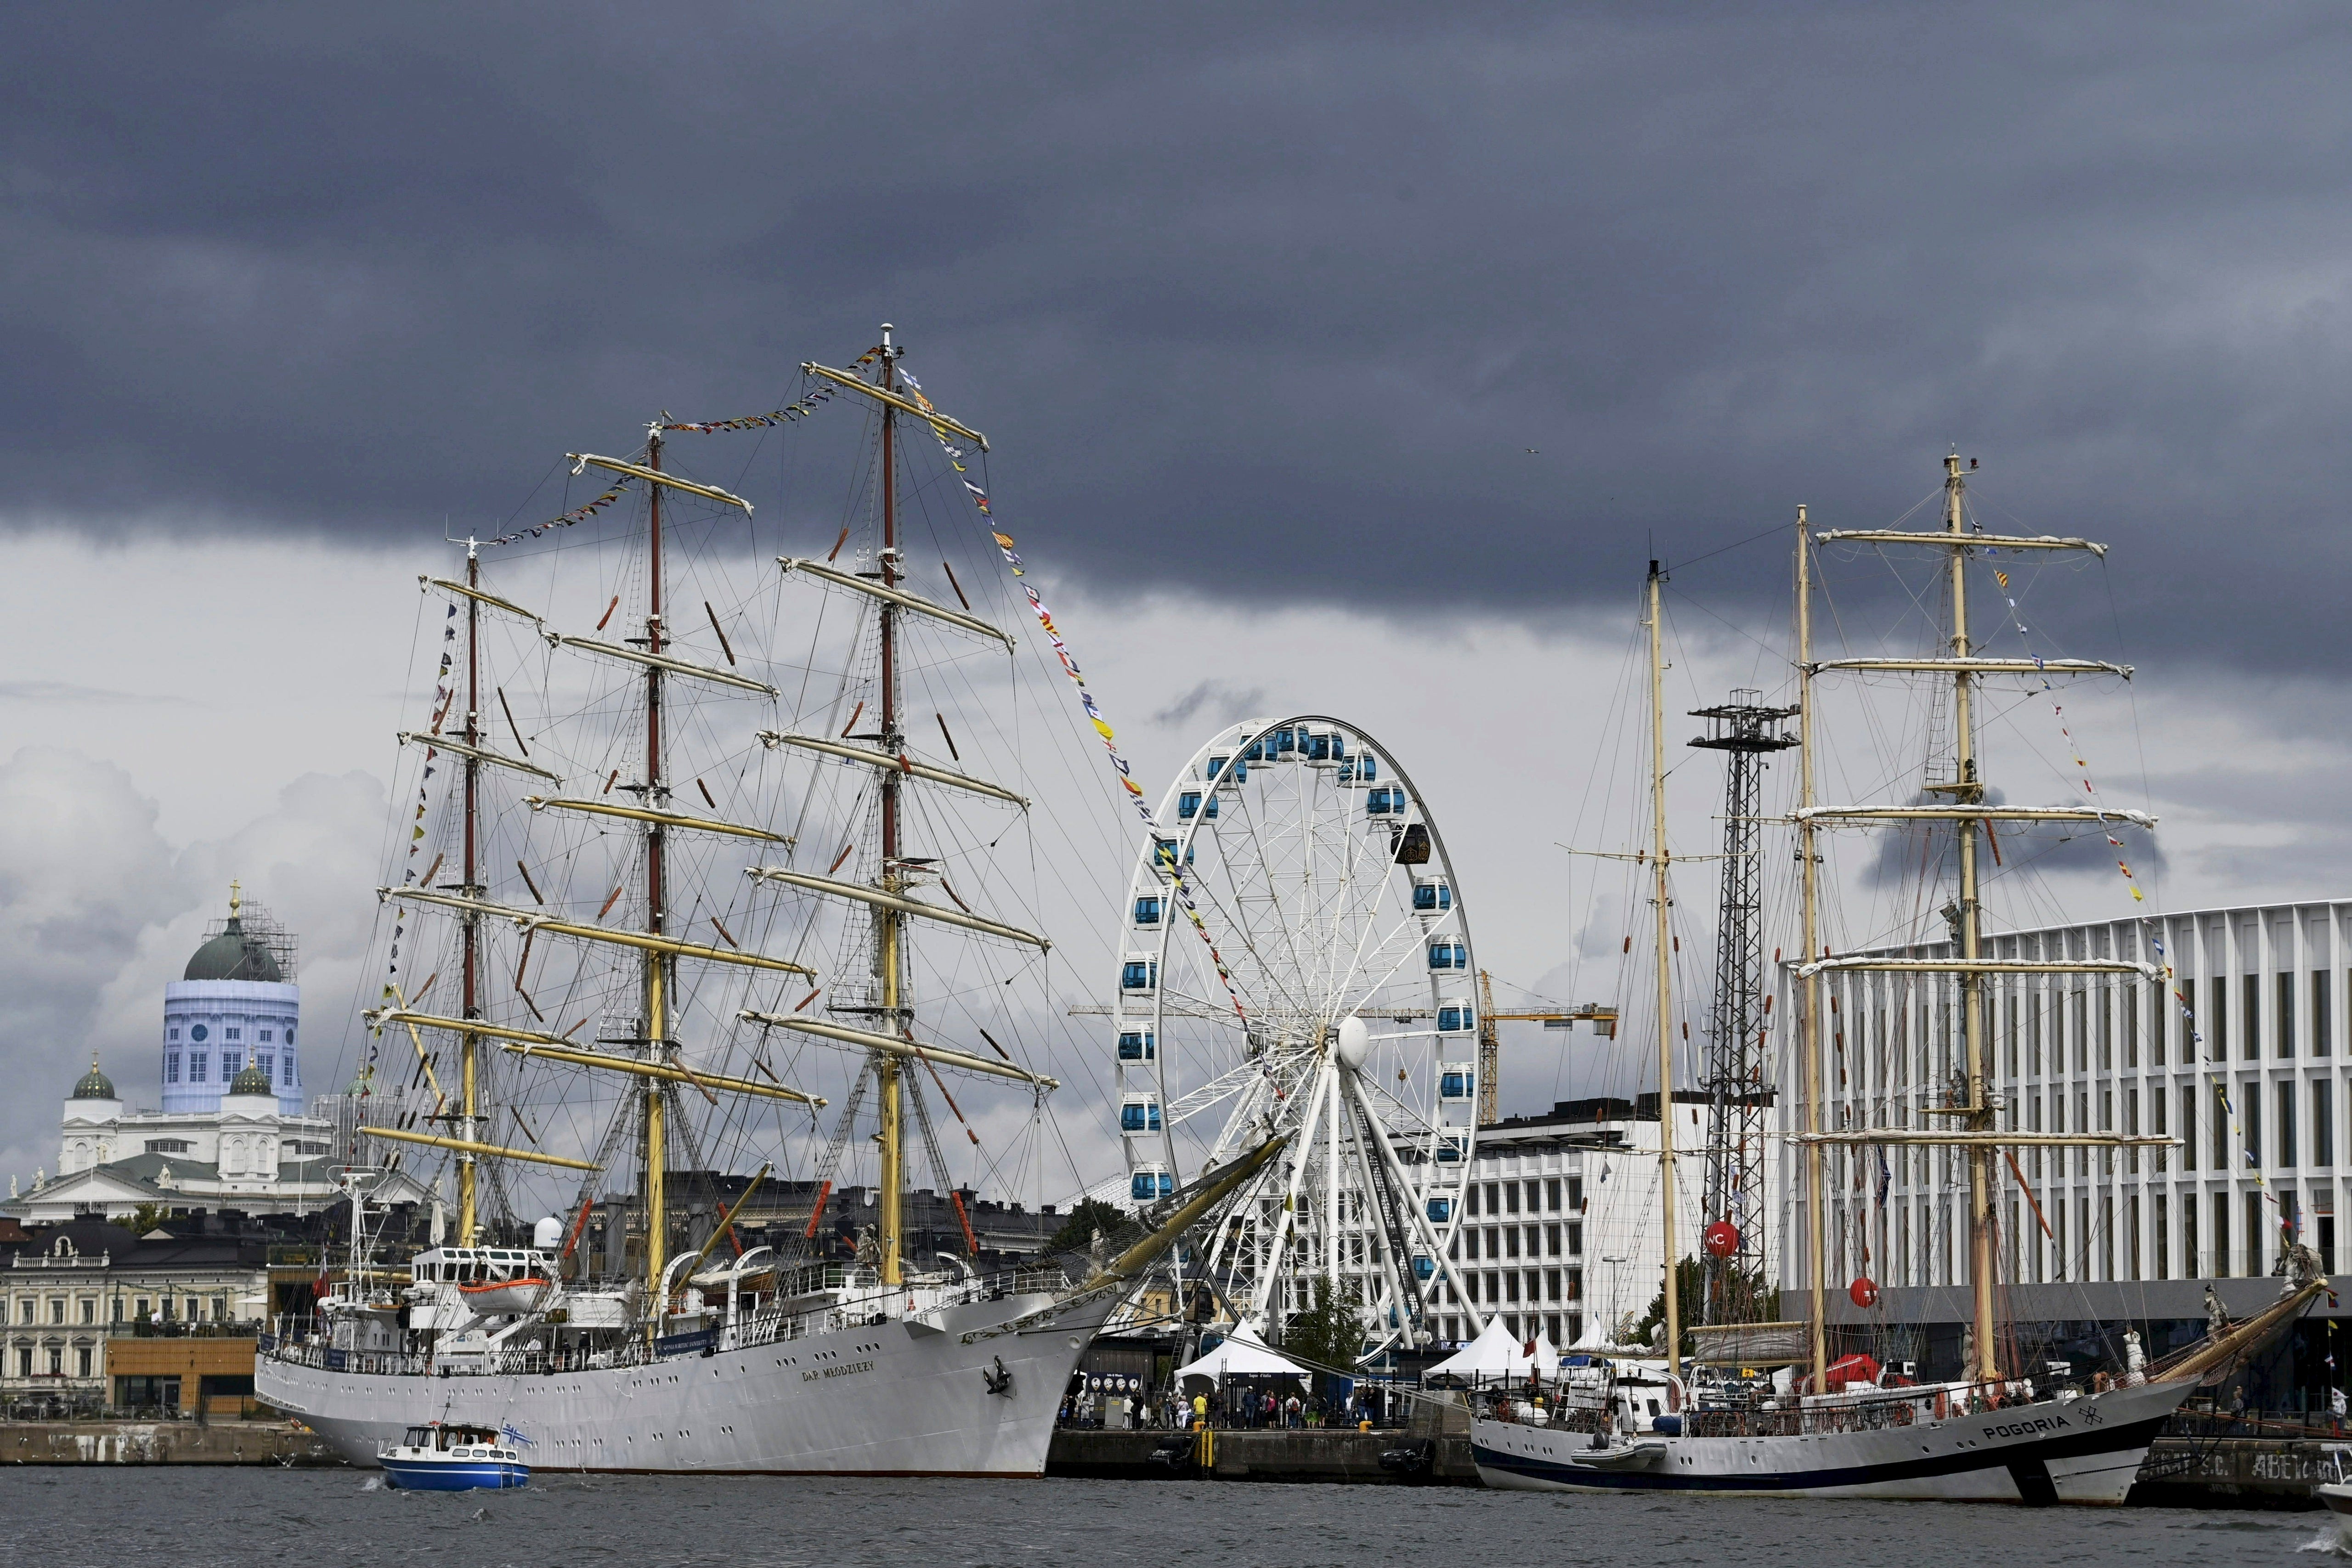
x: 1268, y: 306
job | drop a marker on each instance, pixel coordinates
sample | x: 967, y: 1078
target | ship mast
x: 1659, y: 863
x: 469, y: 921
x: 890, y: 923
x: 1810, y: 860
x: 1967, y: 814
x: 1967, y: 789
x: 656, y: 962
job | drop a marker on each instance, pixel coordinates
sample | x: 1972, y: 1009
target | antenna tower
x: 1746, y: 733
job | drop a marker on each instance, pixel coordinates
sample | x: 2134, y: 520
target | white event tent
x: 1241, y: 1355
x: 1498, y: 1353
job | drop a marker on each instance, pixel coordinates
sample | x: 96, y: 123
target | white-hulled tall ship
x: 1994, y: 1433
x: 566, y: 756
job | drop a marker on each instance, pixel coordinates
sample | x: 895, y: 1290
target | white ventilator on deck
x: 1286, y: 966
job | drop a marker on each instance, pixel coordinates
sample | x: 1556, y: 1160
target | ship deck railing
x: 299, y: 1341
x: 1875, y: 1410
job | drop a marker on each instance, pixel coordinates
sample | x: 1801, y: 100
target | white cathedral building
x: 232, y: 1131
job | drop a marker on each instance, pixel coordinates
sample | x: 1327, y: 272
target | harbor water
x: 197, y: 1518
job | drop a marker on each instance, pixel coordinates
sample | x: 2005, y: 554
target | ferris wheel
x: 1297, y: 960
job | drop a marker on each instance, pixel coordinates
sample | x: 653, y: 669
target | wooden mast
x: 1810, y: 860
x: 1659, y: 860
x: 469, y: 922
x: 890, y: 924
x: 1967, y: 789
x: 656, y: 1000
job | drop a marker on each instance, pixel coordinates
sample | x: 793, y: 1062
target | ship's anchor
x: 999, y: 1382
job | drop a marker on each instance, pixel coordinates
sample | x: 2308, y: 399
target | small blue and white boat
x: 443, y: 1457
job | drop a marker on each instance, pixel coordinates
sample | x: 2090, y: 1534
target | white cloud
x: 283, y: 669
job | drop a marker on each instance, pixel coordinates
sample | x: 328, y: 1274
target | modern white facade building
x: 1563, y: 1229
x: 2245, y: 1065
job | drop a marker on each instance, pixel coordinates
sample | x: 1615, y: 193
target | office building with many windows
x: 2242, y: 1061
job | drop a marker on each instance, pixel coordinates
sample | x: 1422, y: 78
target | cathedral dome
x: 231, y: 956
x: 94, y: 1084
x: 252, y: 1081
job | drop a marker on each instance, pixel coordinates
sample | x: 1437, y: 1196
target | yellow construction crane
x: 1490, y: 1044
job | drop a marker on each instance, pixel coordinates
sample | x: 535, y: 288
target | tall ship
x: 2001, y: 1431
x: 758, y: 828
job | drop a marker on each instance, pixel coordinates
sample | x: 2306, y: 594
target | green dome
x: 230, y: 957
x: 94, y: 1084
x: 252, y: 1081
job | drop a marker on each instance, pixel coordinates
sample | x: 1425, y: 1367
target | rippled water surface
x: 190, y: 1517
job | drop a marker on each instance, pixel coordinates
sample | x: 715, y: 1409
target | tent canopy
x: 1498, y: 1352
x: 1241, y: 1355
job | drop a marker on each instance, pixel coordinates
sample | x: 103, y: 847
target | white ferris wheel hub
x: 1355, y: 1043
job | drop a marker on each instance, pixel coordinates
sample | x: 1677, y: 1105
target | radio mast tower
x: 1746, y: 733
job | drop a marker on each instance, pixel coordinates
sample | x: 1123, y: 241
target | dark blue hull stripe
x: 2074, y: 1445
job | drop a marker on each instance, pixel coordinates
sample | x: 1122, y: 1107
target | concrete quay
x: 162, y: 1443
x: 1310, y: 1454
x: 2237, y: 1472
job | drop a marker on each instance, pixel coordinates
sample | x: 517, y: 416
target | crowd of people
x: 1237, y: 1406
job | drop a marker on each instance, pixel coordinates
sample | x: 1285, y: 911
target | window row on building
x: 198, y: 1065
x: 120, y: 1308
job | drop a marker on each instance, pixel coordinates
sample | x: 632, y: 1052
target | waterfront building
x: 1562, y: 1228
x: 2246, y: 1066
x: 69, y: 1292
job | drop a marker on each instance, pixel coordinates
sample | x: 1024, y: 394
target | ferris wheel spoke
x: 1233, y: 1082
x: 1270, y: 986
x: 1274, y: 875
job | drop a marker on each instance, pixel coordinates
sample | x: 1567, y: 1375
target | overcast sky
x: 1377, y: 350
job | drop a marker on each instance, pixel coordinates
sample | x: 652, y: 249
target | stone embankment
x: 162, y: 1443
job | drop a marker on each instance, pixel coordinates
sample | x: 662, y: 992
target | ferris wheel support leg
x: 1420, y: 1220
x: 1270, y: 1258
x: 1407, y: 1301
x: 1331, y: 1168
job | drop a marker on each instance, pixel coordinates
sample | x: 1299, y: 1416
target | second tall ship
x: 1994, y: 1433
x: 668, y: 779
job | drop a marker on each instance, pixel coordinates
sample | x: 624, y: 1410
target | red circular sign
x: 1721, y: 1238
x: 1865, y: 1291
